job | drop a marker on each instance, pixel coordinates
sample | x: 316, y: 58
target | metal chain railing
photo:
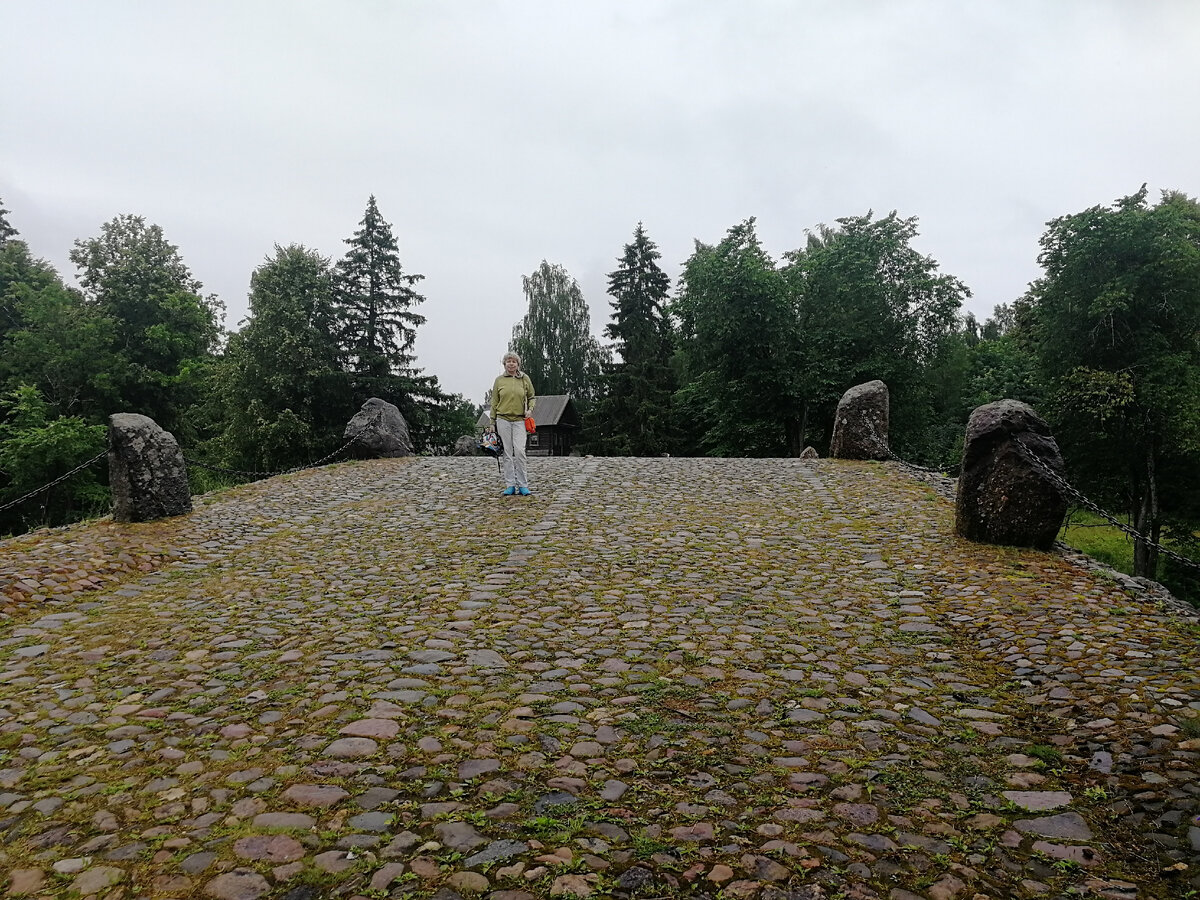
x: 59, y: 480
x: 1071, y: 492
x: 254, y: 475
x: 883, y: 445
x: 1068, y: 491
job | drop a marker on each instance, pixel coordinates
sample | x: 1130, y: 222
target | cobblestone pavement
x: 653, y: 678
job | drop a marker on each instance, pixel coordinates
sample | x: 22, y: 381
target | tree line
x: 139, y: 334
x: 748, y: 355
x: 745, y: 356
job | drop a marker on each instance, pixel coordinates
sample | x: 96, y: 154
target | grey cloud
x: 496, y: 134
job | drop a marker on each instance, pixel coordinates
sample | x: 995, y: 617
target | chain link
x: 255, y: 475
x: 59, y: 480
x: 193, y: 462
x: 1065, y: 487
x: 1070, y: 491
x: 883, y: 445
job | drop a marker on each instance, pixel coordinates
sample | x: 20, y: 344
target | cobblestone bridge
x: 654, y: 678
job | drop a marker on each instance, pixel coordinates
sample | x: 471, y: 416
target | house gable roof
x: 550, y: 409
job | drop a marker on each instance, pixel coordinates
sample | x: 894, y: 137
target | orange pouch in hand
x: 529, y: 425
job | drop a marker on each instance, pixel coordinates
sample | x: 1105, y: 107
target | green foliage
x: 870, y: 306
x: 1092, y: 535
x: 634, y: 415
x: 554, y: 338
x: 739, y: 337
x: 453, y: 417
x: 35, y: 449
x: 998, y: 369
x: 54, y: 341
x: 287, y: 395
x: 7, y: 232
x: 375, y: 300
x: 376, y: 327
x: 1116, y: 318
x: 134, y: 277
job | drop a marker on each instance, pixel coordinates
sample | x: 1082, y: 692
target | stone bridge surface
x: 653, y: 678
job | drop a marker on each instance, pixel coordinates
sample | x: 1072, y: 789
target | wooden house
x: 558, y: 423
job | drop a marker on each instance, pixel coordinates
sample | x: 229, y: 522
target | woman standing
x: 512, y: 401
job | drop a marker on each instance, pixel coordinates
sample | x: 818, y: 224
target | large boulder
x: 380, y: 429
x: 146, y: 471
x: 465, y: 446
x: 860, y: 427
x: 1004, y: 497
x: 810, y: 453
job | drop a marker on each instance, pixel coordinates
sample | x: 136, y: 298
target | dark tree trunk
x: 1146, y: 522
x: 795, y: 435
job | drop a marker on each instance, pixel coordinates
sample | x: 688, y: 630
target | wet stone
x: 334, y: 861
x: 1036, y: 801
x: 370, y: 821
x: 736, y: 678
x: 298, y: 821
x: 473, y: 768
x: 459, y: 836
x: 240, y: 884
x: 318, y: 795
x: 858, y: 814
x: 634, y: 879
x: 496, y: 851
x: 1068, y: 826
x: 697, y: 833
x: 273, y: 848
x: 376, y: 796
x: 352, y: 748
x: 613, y: 790
x: 198, y: 862
x: 383, y: 729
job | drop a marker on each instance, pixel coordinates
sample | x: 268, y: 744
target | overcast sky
x: 497, y: 134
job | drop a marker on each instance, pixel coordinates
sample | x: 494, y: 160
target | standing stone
x: 1003, y: 497
x: 380, y: 429
x: 810, y: 453
x: 860, y: 427
x: 146, y: 471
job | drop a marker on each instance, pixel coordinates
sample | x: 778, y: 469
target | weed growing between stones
x: 683, y: 720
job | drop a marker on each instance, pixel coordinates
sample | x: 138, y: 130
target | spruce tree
x: 376, y: 298
x: 7, y: 232
x: 635, y: 414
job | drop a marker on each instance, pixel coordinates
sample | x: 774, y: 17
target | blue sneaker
x: 524, y: 492
x: 509, y: 491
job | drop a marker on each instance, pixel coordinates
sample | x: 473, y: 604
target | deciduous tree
x: 739, y: 339
x: 288, y: 394
x: 871, y: 306
x: 36, y: 447
x: 134, y: 276
x: 1117, y: 320
x: 554, y: 338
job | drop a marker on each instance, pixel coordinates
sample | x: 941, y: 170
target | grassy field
x: 1091, y: 534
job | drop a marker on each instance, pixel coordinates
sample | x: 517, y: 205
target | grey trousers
x: 513, y: 435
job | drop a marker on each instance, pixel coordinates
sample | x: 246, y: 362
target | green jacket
x: 512, y: 395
